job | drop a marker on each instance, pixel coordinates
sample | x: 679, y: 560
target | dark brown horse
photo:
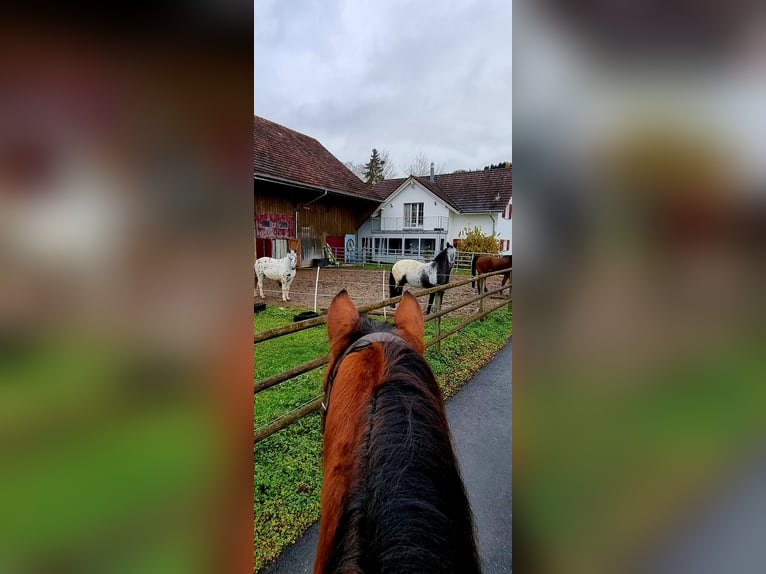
x: 486, y: 263
x: 392, y: 496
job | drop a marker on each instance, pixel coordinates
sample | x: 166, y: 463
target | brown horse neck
x: 344, y: 430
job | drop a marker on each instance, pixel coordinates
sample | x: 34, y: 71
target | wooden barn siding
x: 331, y: 215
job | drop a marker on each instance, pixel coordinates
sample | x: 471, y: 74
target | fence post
x: 316, y: 289
x: 482, y: 286
x: 385, y: 296
x: 438, y: 328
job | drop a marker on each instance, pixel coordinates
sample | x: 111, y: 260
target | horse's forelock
x: 451, y: 254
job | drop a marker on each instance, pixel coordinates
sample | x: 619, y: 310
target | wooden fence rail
x: 439, y: 336
x: 370, y: 256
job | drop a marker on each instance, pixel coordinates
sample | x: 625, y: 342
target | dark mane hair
x: 441, y: 256
x: 406, y: 510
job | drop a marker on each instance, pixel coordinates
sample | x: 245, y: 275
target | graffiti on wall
x: 274, y: 226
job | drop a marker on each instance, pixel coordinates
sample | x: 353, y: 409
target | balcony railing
x: 432, y: 223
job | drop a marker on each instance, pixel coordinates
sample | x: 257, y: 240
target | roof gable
x: 283, y: 153
x: 394, y: 187
x: 480, y: 191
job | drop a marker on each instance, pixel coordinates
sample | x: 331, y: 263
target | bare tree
x: 421, y: 165
x: 389, y: 170
x: 356, y: 168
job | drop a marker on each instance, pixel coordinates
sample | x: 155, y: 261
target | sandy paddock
x: 363, y: 285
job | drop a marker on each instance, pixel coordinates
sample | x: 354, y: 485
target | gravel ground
x: 363, y: 285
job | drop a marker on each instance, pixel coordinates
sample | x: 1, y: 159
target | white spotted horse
x: 417, y: 274
x: 282, y: 270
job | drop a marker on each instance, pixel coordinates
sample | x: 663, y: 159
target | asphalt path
x: 480, y: 419
x: 727, y: 532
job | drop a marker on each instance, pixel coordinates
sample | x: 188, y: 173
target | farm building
x: 418, y: 215
x: 304, y: 197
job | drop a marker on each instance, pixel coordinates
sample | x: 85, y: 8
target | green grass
x: 94, y: 459
x: 287, y: 472
x: 280, y: 354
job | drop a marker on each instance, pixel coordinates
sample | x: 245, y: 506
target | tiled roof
x: 284, y: 153
x: 475, y: 191
x: 437, y: 190
x: 386, y: 187
x: 468, y: 192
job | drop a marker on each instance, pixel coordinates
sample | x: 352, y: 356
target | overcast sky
x: 405, y: 76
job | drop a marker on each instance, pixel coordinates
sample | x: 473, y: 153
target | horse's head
x: 352, y: 339
x: 451, y: 254
x: 345, y: 325
x: 292, y: 258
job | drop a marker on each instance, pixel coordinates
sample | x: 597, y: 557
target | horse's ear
x: 409, y: 321
x: 341, y: 316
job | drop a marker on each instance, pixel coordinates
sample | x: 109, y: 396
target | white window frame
x: 413, y: 215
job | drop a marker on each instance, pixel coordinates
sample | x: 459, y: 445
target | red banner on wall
x: 274, y: 226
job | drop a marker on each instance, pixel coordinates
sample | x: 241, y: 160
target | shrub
x: 474, y: 240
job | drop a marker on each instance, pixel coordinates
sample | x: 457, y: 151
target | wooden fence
x: 439, y: 336
x: 387, y: 257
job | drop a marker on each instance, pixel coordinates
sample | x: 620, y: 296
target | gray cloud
x: 403, y: 76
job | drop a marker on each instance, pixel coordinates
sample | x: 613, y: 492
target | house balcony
x: 435, y: 223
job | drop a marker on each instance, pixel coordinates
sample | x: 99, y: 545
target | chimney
x: 432, y: 172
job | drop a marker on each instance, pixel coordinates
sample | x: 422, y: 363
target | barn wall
x: 330, y: 215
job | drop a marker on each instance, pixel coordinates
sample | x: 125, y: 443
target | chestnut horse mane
x: 405, y: 509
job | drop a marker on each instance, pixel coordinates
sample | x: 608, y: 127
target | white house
x: 505, y: 229
x: 417, y: 216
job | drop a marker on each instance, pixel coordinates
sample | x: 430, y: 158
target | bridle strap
x: 360, y: 344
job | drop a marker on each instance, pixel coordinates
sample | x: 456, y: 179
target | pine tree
x: 373, y: 169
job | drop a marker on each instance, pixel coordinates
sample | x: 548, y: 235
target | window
x: 284, y: 225
x: 413, y: 215
x: 428, y: 246
x: 265, y: 223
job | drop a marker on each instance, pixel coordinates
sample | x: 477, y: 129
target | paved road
x: 726, y: 534
x: 480, y: 419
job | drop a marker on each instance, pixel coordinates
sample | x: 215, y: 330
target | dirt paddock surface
x: 363, y: 285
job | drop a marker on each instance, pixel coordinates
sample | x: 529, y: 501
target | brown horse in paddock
x: 392, y: 497
x: 486, y: 263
